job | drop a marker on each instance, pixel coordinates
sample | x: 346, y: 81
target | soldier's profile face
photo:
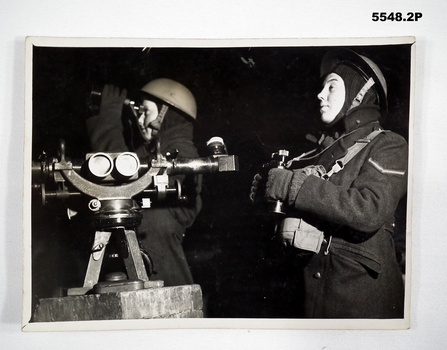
x: 149, y: 115
x: 332, y: 97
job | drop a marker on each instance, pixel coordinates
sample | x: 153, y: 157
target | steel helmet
x: 173, y: 93
x: 366, y: 67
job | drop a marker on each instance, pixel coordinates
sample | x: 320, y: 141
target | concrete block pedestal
x: 164, y: 302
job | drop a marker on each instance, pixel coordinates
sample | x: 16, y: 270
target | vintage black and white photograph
x: 262, y: 181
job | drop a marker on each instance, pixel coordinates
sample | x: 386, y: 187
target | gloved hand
x: 112, y: 100
x: 105, y: 130
x: 255, y: 187
x: 284, y: 185
x: 278, y: 184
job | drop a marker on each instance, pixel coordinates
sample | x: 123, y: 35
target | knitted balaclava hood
x: 354, y: 82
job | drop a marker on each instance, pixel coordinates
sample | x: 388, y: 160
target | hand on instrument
x: 255, y: 187
x: 112, y: 100
x: 278, y: 184
x: 284, y: 185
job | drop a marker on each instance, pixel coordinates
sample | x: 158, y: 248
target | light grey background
x: 235, y: 19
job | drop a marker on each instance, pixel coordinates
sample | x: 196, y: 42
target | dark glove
x: 105, y: 130
x: 112, y: 100
x: 255, y: 187
x: 278, y: 184
x: 284, y: 185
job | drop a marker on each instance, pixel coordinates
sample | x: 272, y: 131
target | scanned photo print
x: 218, y: 183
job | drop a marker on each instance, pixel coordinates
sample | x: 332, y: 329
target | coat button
x: 317, y: 275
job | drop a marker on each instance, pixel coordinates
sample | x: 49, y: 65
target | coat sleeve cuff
x: 298, y: 179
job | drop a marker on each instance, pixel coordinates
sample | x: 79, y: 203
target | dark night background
x: 259, y: 99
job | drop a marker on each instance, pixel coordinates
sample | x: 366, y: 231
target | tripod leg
x: 96, y: 258
x: 134, y: 262
x: 94, y: 264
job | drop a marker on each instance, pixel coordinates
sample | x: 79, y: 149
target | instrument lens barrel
x: 127, y: 164
x: 100, y: 165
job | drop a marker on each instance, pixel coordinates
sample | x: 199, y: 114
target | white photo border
x: 206, y: 323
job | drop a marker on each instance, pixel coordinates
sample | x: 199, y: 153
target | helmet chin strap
x: 359, y: 98
x: 155, y: 125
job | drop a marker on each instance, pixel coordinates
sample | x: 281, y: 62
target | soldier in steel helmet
x: 340, y: 210
x: 168, y: 114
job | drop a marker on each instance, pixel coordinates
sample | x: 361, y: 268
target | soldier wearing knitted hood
x: 340, y: 211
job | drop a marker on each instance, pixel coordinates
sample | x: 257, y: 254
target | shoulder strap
x: 352, y: 151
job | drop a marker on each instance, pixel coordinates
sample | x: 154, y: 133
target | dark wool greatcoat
x: 356, y: 274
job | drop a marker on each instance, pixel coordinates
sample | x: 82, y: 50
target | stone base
x: 166, y: 302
